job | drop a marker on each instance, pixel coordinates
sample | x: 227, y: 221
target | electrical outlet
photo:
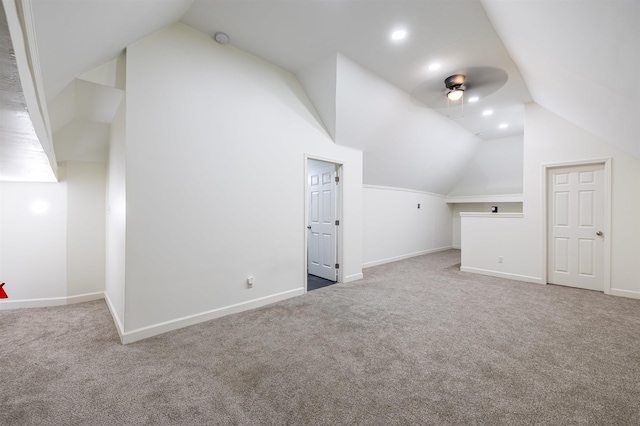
x: 500, y: 259
x: 250, y: 282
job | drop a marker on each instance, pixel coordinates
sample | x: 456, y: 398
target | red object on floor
x: 3, y: 295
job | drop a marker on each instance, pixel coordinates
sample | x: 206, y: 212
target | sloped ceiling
x: 296, y: 35
x: 580, y: 59
x: 76, y: 36
x: 404, y: 143
x: 561, y: 48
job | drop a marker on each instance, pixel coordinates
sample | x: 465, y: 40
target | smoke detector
x: 221, y: 37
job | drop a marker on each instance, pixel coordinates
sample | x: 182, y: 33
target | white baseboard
x: 6, y: 304
x: 404, y: 256
x: 114, y: 315
x: 153, y: 330
x: 354, y: 277
x: 456, y: 247
x: 88, y: 297
x: 499, y: 274
x: 625, y: 293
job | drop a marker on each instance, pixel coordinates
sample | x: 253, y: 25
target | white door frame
x: 606, y: 162
x: 339, y: 212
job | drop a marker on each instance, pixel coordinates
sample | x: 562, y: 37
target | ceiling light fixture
x: 434, y: 66
x: 455, y: 86
x: 455, y: 90
x: 455, y: 94
x: 474, y: 99
x: 503, y: 126
x: 487, y: 112
x: 398, y: 35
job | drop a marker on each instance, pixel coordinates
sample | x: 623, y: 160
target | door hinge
x: 337, y: 266
x: 337, y: 179
x: 337, y: 222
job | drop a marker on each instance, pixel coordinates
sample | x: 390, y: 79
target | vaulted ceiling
x: 578, y: 59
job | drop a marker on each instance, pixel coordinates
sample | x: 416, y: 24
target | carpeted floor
x: 416, y: 342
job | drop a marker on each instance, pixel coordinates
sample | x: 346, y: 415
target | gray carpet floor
x: 417, y: 342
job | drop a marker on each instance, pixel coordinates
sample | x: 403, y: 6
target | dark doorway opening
x: 314, y: 283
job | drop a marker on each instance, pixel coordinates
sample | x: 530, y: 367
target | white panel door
x: 321, y: 250
x: 575, y: 225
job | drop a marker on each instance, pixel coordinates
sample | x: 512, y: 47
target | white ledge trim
x: 499, y: 198
x: 393, y: 188
x: 494, y: 215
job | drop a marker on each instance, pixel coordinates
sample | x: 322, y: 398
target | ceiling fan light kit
x: 455, y: 94
x: 467, y: 87
x: 455, y: 86
x: 455, y: 91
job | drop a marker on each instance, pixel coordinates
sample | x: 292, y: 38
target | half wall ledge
x: 498, y: 215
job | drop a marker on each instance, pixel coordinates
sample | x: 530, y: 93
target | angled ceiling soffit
x: 319, y: 82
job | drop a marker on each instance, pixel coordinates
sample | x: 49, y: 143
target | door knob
x: 599, y: 233
x: 309, y: 227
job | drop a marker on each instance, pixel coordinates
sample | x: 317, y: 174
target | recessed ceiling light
x: 398, y: 35
x: 434, y: 66
x: 487, y: 112
x: 474, y: 99
x: 503, y: 126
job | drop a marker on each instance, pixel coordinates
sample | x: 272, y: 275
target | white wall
x: 457, y: 208
x: 486, y: 236
x: 33, y: 253
x: 116, y: 219
x: 395, y: 228
x: 496, y: 168
x: 550, y: 139
x: 215, y: 146
x: 57, y: 256
x: 86, y: 184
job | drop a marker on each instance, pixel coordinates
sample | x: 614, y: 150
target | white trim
x: 498, y: 215
x: 114, y: 315
x: 577, y: 163
x: 87, y: 297
x: 7, y: 304
x: 404, y: 256
x: 625, y: 293
x: 500, y: 198
x: 353, y: 277
x: 163, y: 327
x: 34, y: 59
x: 507, y: 275
x: 606, y: 162
x: 393, y: 188
x: 456, y: 247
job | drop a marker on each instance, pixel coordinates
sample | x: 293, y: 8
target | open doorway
x: 322, y: 213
